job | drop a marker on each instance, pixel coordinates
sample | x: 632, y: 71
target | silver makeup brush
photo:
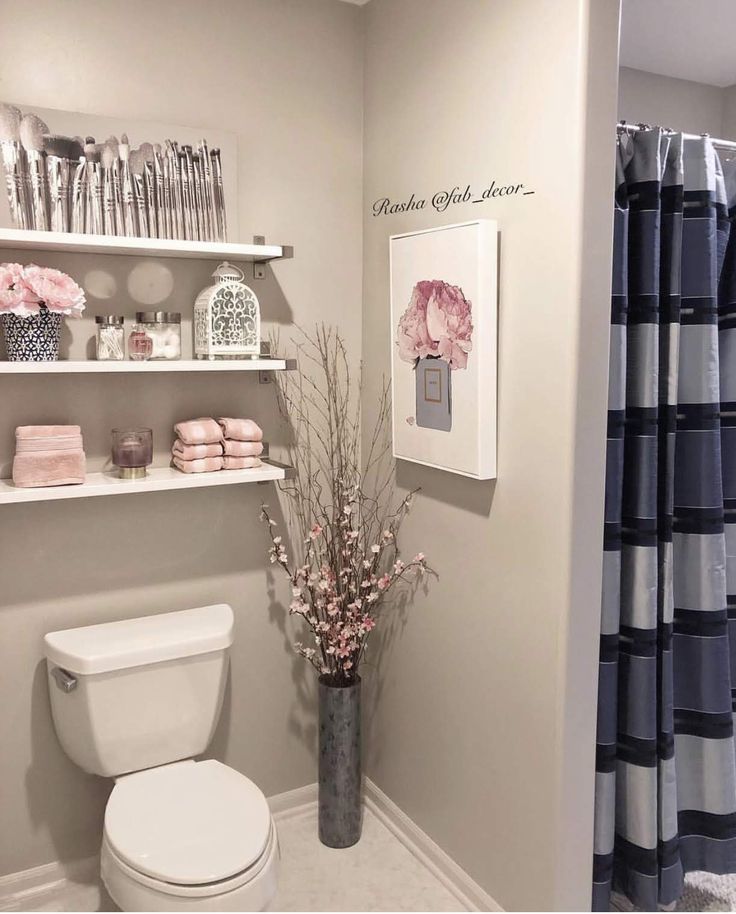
x: 137, y: 168
x: 219, y: 195
x: 60, y: 150
x: 159, y: 192
x: 167, y: 225
x: 117, y: 197
x: 94, y: 204
x: 177, y: 199
x: 78, y: 203
x: 188, y: 170
x: 206, y: 177
x: 185, y: 193
x: 15, y: 166
x: 198, y: 207
x: 109, y: 209
x: 130, y: 213
x: 149, y: 184
x: 32, y: 130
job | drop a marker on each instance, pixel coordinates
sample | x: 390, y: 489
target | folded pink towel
x: 56, y: 443
x: 242, y: 448
x: 205, y: 465
x: 199, y: 431
x: 195, y: 451
x: 47, y: 431
x: 241, y: 429
x: 241, y: 463
x: 49, y: 468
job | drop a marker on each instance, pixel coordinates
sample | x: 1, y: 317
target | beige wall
x: 677, y: 103
x: 286, y: 76
x: 484, y: 733
x: 728, y: 129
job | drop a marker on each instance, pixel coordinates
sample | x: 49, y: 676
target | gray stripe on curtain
x: 665, y: 761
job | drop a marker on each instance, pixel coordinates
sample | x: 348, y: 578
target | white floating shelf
x: 159, y: 479
x: 70, y: 242
x: 128, y: 367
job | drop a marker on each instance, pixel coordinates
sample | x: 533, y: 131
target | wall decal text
x: 441, y: 200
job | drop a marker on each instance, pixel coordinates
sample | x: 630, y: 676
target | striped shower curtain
x: 665, y: 760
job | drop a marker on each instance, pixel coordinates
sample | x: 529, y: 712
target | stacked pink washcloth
x: 206, y: 445
x: 48, y: 455
x: 198, y: 446
x: 243, y: 444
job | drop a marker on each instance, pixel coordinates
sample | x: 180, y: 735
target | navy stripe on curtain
x: 665, y: 759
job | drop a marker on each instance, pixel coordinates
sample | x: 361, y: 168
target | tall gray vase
x: 340, y: 811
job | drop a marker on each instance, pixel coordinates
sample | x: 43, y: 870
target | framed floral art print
x: 443, y: 347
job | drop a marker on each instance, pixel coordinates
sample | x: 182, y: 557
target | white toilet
x: 137, y: 700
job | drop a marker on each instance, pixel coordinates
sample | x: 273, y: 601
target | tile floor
x: 377, y: 874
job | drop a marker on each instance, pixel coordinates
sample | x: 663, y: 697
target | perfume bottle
x: 140, y: 344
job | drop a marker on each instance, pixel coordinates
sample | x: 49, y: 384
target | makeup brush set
x: 69, y: 184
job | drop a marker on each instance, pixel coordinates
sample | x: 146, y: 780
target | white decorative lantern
x: 227, y: 318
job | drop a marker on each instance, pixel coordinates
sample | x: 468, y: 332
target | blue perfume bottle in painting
x: 435, y: 334
x: 434, y: 394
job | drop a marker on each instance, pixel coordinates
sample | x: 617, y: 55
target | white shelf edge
x: 70, y: 242
x: 129, y: 367
x: 159, y: 479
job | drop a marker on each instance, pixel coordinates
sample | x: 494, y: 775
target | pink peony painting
x: 436, y: 323
x: 444, y: 287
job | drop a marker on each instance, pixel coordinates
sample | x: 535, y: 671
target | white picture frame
x: 444, y: 290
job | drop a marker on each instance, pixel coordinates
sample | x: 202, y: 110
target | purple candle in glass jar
x: 132, y: 451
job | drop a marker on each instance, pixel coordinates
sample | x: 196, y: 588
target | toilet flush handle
x: 64, y: 680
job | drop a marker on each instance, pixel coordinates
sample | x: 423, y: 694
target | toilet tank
x: 142, y: 692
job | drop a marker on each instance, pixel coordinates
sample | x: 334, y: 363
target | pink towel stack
x: 205, y: 445
x: 243, y: 444
x: 48, y: 455
x: 198, y: 446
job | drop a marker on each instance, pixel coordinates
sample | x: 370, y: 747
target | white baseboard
x: 450, y: 874
x: 303, y: 800
x: 19, y: 890
x: 293, y: 802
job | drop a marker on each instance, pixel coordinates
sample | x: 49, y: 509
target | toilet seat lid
x: 188, y: 823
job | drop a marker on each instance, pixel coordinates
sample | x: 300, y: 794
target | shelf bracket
x: 259, y: 268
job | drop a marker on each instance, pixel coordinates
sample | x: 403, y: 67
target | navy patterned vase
x: 340, y: 808
x: 34, y: 338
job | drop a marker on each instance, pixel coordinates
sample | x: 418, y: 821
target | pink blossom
x: 419, y: 558
x: 375, y: 548
x: 369, y: 623
x: 315, y: 532
x: 55, y: 289
x: 384, y: 581
x: 437, y: 322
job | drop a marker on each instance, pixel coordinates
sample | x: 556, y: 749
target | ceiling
x: 688, y: 39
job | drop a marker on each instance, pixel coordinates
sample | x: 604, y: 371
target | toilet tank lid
x: 136, y: 642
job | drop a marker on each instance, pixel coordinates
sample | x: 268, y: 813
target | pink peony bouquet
x: 437, y: 323
x: 25, y: 290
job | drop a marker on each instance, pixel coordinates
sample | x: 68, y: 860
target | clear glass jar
x: 164, y: 328
x: 110, y: 338
x: 132, y: 451
x: 140, y: 344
